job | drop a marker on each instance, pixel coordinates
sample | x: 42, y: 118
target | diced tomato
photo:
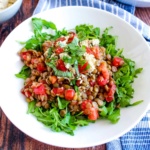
x: 94, y: 51
x: 40, y: 90
x: 61, y: 39
x: 59, y: 50
x: 84, y: 104
x: 89, y: 51
x: 89, y: 110
x: 26, y: 93
x: 92, y: 83
x: 78, y: 82
x: 24, y: 55
x: 34, y: 60
x: 93, y: 115
x: 69, y: 94
x: 110, y: 95
x: 101, y: 80
x: 58, y: 40
x: 82, y: 68
x: 117, y: 61
x: 71, y: 37
x: 61, y: 65
x: 41, y: 67
x: 53, y: 79
x: 58, y: 91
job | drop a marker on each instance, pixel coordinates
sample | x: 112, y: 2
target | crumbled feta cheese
x: 91, y: 60
x: 95, y: 42
x: 85, y: 43
x: 67, y: 65
x: 63, y: 43
x: 49, y: 31
x: 61, y: 55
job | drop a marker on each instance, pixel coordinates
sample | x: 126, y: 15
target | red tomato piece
x: 110, y: 95
x: 58, y: 40
x: 71, y: 37
x: 24, y: 55
x: 89, y: 110
x: 92, y: 83
x: 117, y: 61
x: 26, y: 93
x: 94, y: 51
x: 61, y: 65
x: 78, y: 82
x: 59, y: 50
x: 34, y: 60
x: 101, y: 80
x: 58, y: 91
x: 89, y: 51
x: 41, y: 67
x: 69, y: 94
x: 61, y: 39
x: 40, y: 90
x: 85, y: 103
x: 83, y: 67
x: 93, y: 115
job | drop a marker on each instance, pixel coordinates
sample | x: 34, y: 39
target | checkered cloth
x: 139, y: 137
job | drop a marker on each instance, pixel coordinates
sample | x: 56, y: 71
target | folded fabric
x: 139, y: 137
x: 126, y: 7
x: 136, y: 139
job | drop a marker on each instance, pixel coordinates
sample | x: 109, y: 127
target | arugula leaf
x: 85, y: 31
x: 31, y: 107
x: 62, y: 103
x: 115, y: 116
x: 136, y: 103
x: 104, y: 111
x: 137, y: 71
x: 24, y: 73
x: 39, y: 37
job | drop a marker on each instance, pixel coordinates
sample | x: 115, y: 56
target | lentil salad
x: 75, y: 77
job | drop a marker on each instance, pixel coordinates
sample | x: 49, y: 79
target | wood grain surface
x: 12, y: 138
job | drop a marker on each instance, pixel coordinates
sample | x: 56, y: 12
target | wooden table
x: 10, y: 137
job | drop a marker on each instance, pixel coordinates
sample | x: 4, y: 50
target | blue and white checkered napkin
x: 139, y: 137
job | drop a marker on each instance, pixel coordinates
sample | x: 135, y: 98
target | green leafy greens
x: 124, y: 77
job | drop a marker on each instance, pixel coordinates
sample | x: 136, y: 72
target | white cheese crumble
x: 48, y: 31
x: 95, y: 42
x: 67, y: 65
x: 61, y: 55
x: 85, y: 43
x: 91, y: 60
x: 63, y: 43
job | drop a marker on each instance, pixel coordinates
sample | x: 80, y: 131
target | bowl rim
x: 7, y: 8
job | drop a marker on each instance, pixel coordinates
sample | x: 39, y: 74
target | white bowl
x: 9, y: 12
x: 13, y: 102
